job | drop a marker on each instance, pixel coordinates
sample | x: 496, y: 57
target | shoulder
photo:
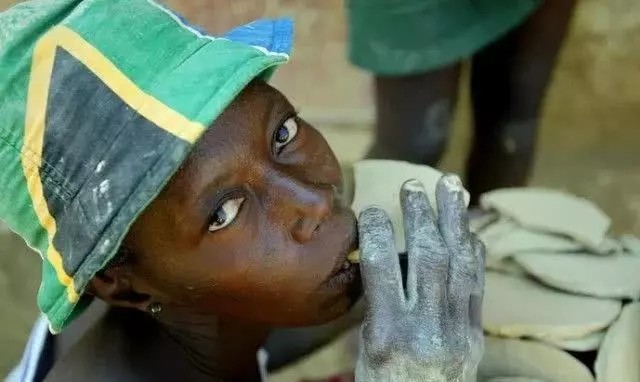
x: 94, y: 356
x: 104, y: 351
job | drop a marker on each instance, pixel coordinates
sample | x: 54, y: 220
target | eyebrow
x: 205, y: 199
x: 276, y: 105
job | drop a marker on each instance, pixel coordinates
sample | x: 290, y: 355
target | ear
x: 114, y: 287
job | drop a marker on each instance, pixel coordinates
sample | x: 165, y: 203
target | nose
x: 305, y: 206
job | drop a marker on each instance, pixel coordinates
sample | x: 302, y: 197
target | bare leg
x: 414, y: 114
x: 508, y: 84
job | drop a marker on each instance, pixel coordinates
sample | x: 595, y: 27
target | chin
x: 322, y: 308
x: 341, y: 303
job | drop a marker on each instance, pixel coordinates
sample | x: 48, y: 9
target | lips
x: 344, y: 279
x: 342, y: 262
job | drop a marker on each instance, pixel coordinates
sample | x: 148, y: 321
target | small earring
x: 155, y: 309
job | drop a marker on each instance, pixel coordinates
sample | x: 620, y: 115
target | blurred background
x: 588, y: 144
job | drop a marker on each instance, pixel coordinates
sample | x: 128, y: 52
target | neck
x: 217, y: 348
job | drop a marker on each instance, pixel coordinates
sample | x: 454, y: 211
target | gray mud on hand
x: 378, y: 182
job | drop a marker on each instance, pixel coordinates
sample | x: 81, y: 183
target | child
x: 153, y: 168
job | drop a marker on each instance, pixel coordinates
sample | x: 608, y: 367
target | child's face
x: 251, y: 227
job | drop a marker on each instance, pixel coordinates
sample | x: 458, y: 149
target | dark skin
x: 509, y: 80
x: 247, y: 236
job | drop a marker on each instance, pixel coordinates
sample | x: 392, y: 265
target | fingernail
x: 452, y: 182
x: 372, y: 212
x: 413, y: 185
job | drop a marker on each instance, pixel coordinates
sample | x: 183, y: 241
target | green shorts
x: 400, y: 37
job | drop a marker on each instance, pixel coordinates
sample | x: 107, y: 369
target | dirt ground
x: 588, y: 143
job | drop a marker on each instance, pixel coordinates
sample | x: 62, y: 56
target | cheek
x: 259, y: 273
x: 323, y: 157
x: 266, y: 262
x: 237, y: 267
x: 314, y: 158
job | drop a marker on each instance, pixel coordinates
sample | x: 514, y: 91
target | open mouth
x: 345, y: 271
x: 346, y: 275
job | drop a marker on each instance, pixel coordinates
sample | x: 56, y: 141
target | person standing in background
x: 415, y: 50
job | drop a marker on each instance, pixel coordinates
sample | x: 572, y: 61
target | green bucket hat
x: 100, y: 103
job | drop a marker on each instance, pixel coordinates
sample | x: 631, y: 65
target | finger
x: 476, y: 337
x: 453, y: 218
x: 479, y: 251
x: 379, y: 264
x: 477, y: 291
x: 428, y: 259
x: 453, y: 223
x: 454, y: 227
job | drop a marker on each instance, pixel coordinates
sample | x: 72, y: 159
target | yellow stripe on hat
x: 31, y: 155
x: 145, y: 104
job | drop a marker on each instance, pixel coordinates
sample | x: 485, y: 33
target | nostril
x: 314, y: 207
x: 310, y: 224
x: 320, y: 208
x: 306, y: 230
x: 319, y: 224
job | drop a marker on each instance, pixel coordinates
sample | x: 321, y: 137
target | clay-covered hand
x: 430, y: 331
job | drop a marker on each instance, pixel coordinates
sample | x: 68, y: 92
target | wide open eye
x: 284, y: 134
x: 225, y: 214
